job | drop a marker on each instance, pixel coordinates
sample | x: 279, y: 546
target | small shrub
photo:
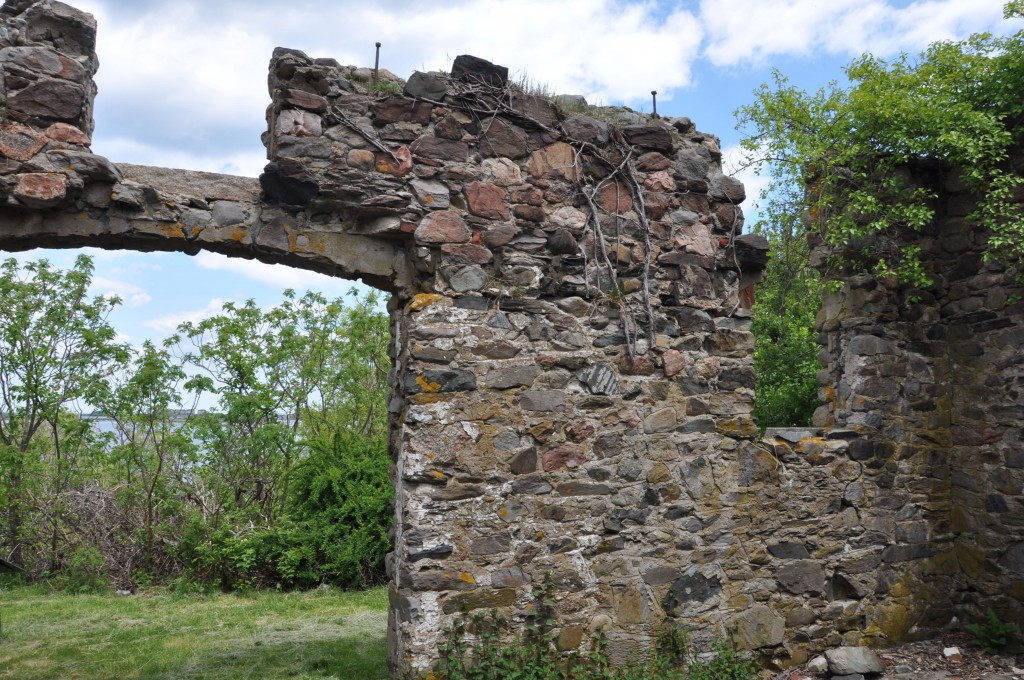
x: 385, y: 87
x: 995, y: 635
x: 11, y: 581
x: 84, y: 573
x: 726, y: 664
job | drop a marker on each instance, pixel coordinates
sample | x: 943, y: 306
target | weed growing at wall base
x: 485, y: 646
x: 996, y: 635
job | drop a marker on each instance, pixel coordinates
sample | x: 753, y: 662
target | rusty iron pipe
x: 376, y: 63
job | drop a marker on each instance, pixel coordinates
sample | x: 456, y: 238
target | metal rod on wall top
x: 376, y: 63
x: 654, y: 96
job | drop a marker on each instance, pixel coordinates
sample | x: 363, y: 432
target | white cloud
x: 274, y: 275
x: 612, y: 51
x: 190, y: 77
x: 753, y: 31
x: 247, y: 163
x: 169, y: 322
x: 130, y: 294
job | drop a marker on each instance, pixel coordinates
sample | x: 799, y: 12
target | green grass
x: 160, y: 636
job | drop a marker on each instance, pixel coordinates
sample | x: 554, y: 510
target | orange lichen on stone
x: 173, y: 231
x: 423, y: 399
x: 422, y: 301
x: 427, y: 386
x: 466, y: 577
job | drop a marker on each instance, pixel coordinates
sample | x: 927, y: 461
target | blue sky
x: 182, y: 83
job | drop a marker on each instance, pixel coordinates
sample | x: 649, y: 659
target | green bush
x: 84, y: 573
x: 786, y: 362
x: 341, y: 506
x: 334, y: 531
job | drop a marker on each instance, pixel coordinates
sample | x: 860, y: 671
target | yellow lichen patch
x: 814, y: 444
x: 539, y: 535
x: 424, y: 399
x: 892, y: 621
x: 239, y: 234
x: 960, y: 521
x: 503, y: 513
x: 437, y: 474
x: 466, y: 577
x: 422, y: 301
x: 744, y: 427
x: 426, y: 385
x: 196, y: 231
x: 172, y: 231
x: 826, y: 550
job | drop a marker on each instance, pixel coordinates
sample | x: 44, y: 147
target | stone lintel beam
x: 181, y: 210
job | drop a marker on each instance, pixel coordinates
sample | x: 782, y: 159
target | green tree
x: 785, y: 350
x: 344, y: 359
x: 839, y: 156
x: 288, y: 381
x: 151, y: 454
x: 55, y: 346
x: 838, y: 160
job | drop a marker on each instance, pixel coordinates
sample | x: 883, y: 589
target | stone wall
x: 572, y: 379
x: 933, y: 381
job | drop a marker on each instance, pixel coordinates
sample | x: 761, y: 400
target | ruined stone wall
x: 572, y: 379
x: 933, y: 381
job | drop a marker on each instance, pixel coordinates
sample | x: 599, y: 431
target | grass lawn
x: 319, y: 634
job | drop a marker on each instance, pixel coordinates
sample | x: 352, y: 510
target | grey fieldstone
x: 801, y: 576
x: 757, y: 627
x: 431, y: 193
x: 467, y: 278
x: 690, y: 588
x: 516, y: 376
x: 851, y: 660
x: 426, y: 86
x: 542, y: 400
x: 228, y: 213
